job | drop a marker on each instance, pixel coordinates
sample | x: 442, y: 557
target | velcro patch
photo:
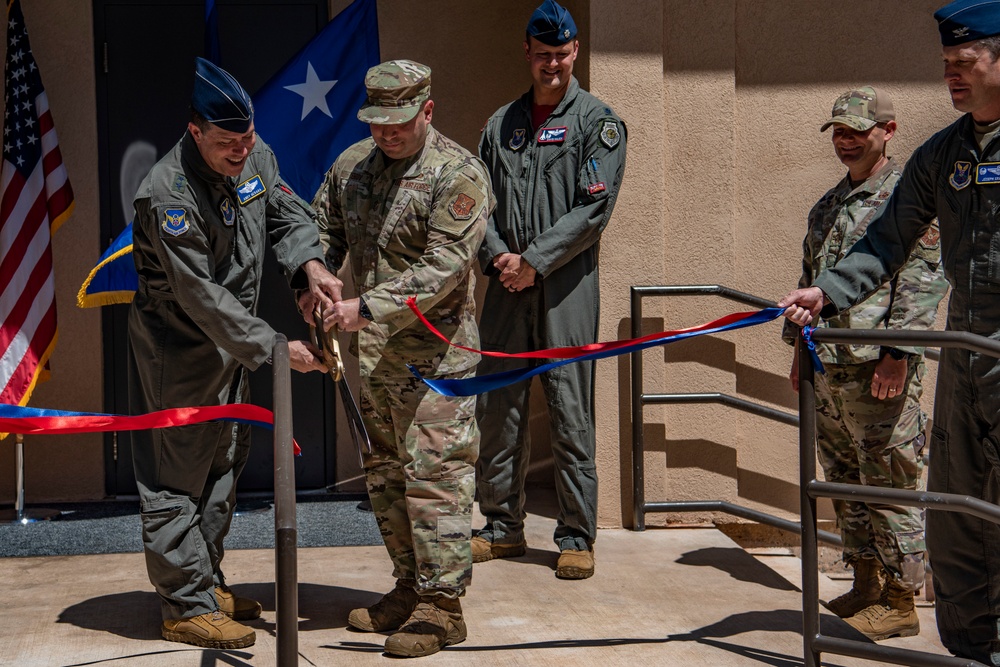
x: 175, y: 221
x: 610, y: 136
x: 931, y: 237
x: 461, y: 207
x: 250, y: 189
x: 419, y: 186
x: 552, y: 135
x: 987, y: 173
x: 595, y: 188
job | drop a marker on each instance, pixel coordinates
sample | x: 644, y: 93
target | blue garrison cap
x: 968, y: 20
x: 220, y: 99
x: 551, y: 24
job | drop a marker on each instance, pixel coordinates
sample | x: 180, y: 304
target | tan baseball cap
x: 861, y: 109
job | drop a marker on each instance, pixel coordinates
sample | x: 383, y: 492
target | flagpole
x: 19, y: 514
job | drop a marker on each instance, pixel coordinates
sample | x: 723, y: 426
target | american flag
x: 35, y: 198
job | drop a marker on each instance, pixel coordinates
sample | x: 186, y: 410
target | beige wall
x: 723, y: 100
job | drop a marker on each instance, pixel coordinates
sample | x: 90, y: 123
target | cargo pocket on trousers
x: 454, y: 528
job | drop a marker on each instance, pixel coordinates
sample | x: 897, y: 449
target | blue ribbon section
x: 482, y: 384
x: 811, y: 346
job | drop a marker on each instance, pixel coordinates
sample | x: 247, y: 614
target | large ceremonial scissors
x: 328, y: 344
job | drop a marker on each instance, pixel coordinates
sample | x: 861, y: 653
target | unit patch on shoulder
x: 610, y: 136
x: 250, y: 189
x: 931, y: 237
x: 517, y: 140
x: 461, y: 207
x: 227, y: 211
x: 552, y: 135
x: 961, y: 176
x: 413, y: 184
x: 175, y: 221
x: 987, y: 173
x: 179, y: 183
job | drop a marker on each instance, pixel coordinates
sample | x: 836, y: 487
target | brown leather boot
x: 388, y: 613
x: 235, y: 607
x: 484, y: 550
x: 211, y: 630
x: 575, y: 564
x: 892, y: 616
x: 866, y: 591
x: 436, y: 622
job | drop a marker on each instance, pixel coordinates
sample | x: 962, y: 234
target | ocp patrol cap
x: 397, y: 90
x: 968, y: 20
x: 861, y: 109
x: 551, y: 24
x: 220, y: 99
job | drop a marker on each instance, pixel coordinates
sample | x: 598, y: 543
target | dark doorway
x: 145, y: 69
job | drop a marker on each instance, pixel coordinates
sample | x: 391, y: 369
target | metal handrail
x: 285, y: 527
x: 639, y: 505
x: 815, y: 643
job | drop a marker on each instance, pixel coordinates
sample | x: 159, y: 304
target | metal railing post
x: 638, y: 446
x: 285, y: 529
x: 807, y: 512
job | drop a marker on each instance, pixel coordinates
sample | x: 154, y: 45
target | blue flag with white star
x: 307, y: 113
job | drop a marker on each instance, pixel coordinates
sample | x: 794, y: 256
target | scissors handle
x: 328, y: 344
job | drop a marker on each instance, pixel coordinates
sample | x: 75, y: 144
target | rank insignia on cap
x: 961, y: 177
x: 552, y: 135
x: 988, y: 173
x: 960, y: 32
x: 517, y: 140
x: 175, y: 221
x: 228, y: 211
x: 609, y: 134
x: 461, y: 207
x: 250, y: 189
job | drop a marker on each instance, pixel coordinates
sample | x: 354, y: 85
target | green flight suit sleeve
x: 598, y: 182
x: 292, y: 232
x: 188, y: 263
x: 919, y: 287
x: 492, y: 245
x: 455, y: 228
x: 889, y: 240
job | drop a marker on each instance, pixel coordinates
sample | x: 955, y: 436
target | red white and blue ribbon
x: 569, y: 355
x: 34, y: 421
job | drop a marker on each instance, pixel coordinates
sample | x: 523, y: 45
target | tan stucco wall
x: 723, y: 100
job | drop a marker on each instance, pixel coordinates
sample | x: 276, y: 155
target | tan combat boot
x: 235, y: 607
x: 436, y: 622
x: 575, y: 564
x: 388, y: 613
x: 484, y: 550
x: 892, y: 616
x: 211, y: 630
x: 866, y: 591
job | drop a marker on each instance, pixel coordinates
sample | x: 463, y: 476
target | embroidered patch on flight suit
x: 250, y: 189
x: 461, y: 207
x: 987, y: 173
x: 595, y: 188
x: 961, y: 176
x: 179, y: 183
x: 284, y: 188
x: 609, y: 134
x: 175, y: 221
x: 552, y: 135
x: 227, y: 211
x: 517, y: 140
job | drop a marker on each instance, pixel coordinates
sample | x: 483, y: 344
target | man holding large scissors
x: 411, y: 206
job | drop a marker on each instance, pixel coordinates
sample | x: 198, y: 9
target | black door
x: 145, y: 69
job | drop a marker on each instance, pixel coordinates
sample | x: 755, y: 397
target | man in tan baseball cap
x: 861, y: 109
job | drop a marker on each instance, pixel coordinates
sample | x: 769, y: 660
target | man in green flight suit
x: 202, y: 218
x: 556, y: 157
x: 869, y: 424
x: 410, y: 206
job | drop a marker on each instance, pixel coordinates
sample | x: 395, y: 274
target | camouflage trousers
x: 421, y: 479
x: 864, y: 440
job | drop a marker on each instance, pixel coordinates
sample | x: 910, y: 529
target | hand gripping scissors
x: 328, y: 344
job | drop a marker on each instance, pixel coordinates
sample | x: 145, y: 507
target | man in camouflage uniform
x: 556, y: 158
x: 203, y: 218
x: 869, y: 424
x: 411, y: 206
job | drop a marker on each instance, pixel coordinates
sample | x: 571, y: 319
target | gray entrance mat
x: 113, y: 526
